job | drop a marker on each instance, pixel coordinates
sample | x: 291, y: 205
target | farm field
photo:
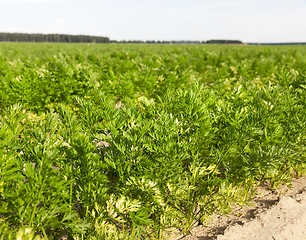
x: 134, y: 141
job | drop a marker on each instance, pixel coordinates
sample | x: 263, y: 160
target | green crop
x: 127, y: 142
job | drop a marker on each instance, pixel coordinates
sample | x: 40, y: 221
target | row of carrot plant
x: 131, y: 142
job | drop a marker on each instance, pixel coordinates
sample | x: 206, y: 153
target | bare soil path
x: 277, y: 215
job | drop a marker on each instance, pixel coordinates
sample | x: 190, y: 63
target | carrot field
x: 119, y: 141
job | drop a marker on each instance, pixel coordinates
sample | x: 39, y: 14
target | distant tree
x: 221, y: 41
x: 24, y: 37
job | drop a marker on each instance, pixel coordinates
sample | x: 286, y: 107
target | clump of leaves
x: 141, y: 141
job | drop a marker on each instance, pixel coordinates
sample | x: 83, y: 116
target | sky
x: 245, y: 20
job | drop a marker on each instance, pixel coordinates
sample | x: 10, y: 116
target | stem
x: 70, y: 194
x: 34, y: 210
x: 45, y: 235
x: 23, y: 214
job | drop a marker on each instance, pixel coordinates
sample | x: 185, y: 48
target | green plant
x: 127, y: 142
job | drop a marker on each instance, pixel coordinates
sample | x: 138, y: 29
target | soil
x: 273, y: 215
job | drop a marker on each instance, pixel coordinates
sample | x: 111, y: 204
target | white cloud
x: 60, y: 21
x: 246, y: 20
x: 17, y: 30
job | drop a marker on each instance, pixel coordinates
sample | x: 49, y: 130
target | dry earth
x: 276, y: 215
x: 271, y: 215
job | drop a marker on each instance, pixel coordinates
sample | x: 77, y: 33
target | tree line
x: 183, y: 42
x: 25, y: 37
